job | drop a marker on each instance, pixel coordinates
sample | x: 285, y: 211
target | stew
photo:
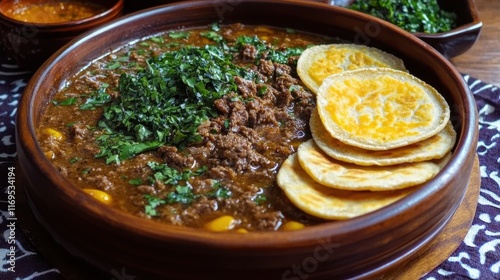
x: 188, y: 127
x: 52, y: 11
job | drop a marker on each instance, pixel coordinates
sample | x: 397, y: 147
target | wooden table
x: 482, y: 61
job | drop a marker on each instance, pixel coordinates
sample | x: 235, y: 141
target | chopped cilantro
x: 152, y: 203
x: 65, y: 102
x: 219, y: 191
x: 411, y: 15
x: 260, y: 199
x: 178, y: 35
x: 135, y: 182
x: 96, y: 99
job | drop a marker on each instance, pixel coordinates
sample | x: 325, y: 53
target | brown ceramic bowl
x: 365, y: 246
x: 30, y: 44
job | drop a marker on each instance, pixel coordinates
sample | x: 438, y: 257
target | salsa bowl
x: 30, y: 41
x: 365, y: 246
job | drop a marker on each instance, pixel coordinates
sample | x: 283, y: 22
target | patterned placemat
x: 478, y: 257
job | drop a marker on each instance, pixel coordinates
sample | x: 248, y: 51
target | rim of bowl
x: 117, y: 7
x: 251, y: 240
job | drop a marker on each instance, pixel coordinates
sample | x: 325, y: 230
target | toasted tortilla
x: 431, y: 148
x: 346, y: 176
x: 329, y: 203
x: 318, y: 62
x: 380, y: 109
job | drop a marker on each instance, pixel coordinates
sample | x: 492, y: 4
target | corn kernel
x: 54, y: 133
x: 263, y: 29
x: 242, y: 230
x: 50, y: 154
x: 223, y: 223
x: 293, y: 225
x: 99, y: 195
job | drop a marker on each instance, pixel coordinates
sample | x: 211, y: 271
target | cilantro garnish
x: 165, y: 102
x: 96, y: 99
x: 180, y: 189
x: 411, y: 15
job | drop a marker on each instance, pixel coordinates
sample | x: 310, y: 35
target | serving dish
x: 456, y: 41
x: 365, y: 246
x: 460, y: 39
x: 30, y: 44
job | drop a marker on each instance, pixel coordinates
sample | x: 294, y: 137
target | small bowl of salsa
x: 34, y: 30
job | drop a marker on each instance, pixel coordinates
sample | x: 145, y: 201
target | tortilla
x: 346, y: 176
x: 380, y: 109
x: 318, y: 62
x: 329, y: 203
x: 434, y: 147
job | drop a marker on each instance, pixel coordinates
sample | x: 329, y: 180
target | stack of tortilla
x: 378, y: 133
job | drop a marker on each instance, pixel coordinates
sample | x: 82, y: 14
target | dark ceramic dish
x: 367, y: 246
x: 464, y: 36
x: 30, y: 44
x: 453, y: 42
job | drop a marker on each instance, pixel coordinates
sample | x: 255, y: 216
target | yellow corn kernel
x: 263, y: 29
x: 242, y: 230
x: 50, y: 154
x: 223, y: 223
x: 293, y: 225
x: 54, y: 133
x: 99, y: 195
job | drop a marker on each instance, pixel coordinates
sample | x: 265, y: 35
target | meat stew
x: 188, y: 127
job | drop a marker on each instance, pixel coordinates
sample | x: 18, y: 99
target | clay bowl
x: 365, y: 246
x: 30, y: 44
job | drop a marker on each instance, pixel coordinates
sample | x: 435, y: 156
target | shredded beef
x: 174, y: 158
x: 248, y: 52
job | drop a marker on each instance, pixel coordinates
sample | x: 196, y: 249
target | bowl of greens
x: 451, y: 27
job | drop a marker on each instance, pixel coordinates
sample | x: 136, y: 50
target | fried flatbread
x: 318, y: 62
x: 432, y: 148
x: 329, y: 203
x: 346, y: 176
x: 380, y: 109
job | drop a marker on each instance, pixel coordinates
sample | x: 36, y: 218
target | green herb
x: 411, y: 15
x: 113, y: 65
x: 262, y: 90
x: 212, y: 35
x: 65, y: 102
x: 135, y: 182
x: 96, y: 99
x: 178, y: 35
x: 152, y: 203
x: 158, y: 39
x: 86, y: 170
x: 172, y: 176
x: 219, y: 191
x: 117, y: 147
x: 167, y: 101
x: 181, y: 194
x: 276, y: 55
x: 260, y: 199
x: 74, y: 160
